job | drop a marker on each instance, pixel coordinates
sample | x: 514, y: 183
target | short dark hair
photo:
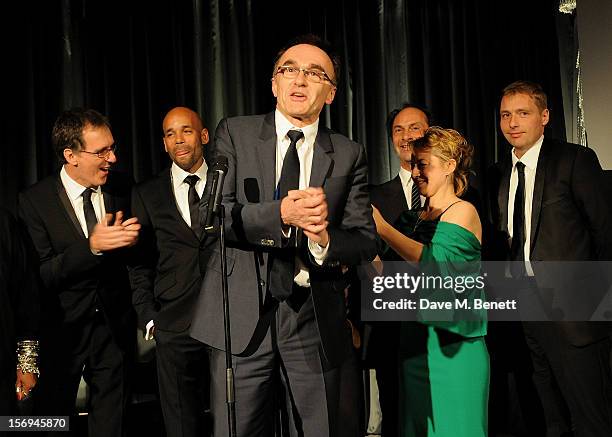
x: 393, y: 114
x: 532, y: 89
x: 316, y: 41
x: 68, y: 129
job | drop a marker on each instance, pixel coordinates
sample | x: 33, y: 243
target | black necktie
x: 88, y: 209
x: 517, y: 248
x: 283, y: 264
x: 416, y: 197
x: 194, y: 202
x: 290, y: 174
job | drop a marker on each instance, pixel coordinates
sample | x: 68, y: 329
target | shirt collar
x: 74, y: 190
x: 530, y: 158
x: 283, y: 126
x: 179, y: 175
x: 405, y: 176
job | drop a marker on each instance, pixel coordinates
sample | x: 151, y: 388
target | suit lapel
x: 503, y: 195
x: 322, y: 164
x: 399, y: 195
x: 65, y: 201
x: 538, y: 191
x: 110, y: 205
x: 266, y: 151
x: 166, y: 193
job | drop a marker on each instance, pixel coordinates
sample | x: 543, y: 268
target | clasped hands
x: 114, y: 234
x: 307, y: 209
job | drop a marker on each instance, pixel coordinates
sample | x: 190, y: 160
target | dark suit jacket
x: 389, y: 198
x: 254, y: 229
x: 570, y: 220
x: 75, y: 280
x: 166, y: 274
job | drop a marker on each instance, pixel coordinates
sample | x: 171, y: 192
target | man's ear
x: 204, y: 136
x: 331, y: 95
x: 545, y: 117
x: 70, y: 157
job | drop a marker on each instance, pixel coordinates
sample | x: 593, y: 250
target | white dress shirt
x: 407, y: 183
x: 530, y: 159
x: 181, y: 188
x: 74, y: 190
x: 305, y: 151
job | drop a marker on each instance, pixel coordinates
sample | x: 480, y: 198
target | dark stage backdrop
x: 134, y: 60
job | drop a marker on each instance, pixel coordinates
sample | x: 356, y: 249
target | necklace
x: 419, y: 220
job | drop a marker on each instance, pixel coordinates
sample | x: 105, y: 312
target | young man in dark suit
x: 76, y: 221
x: 166, y: 279
x: 298, y: 210
x: 548, y: 205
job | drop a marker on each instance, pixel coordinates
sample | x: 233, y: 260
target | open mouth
x: 298, y: 97
x: 405, y: 146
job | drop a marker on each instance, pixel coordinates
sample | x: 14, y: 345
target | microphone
x: 218, y: 170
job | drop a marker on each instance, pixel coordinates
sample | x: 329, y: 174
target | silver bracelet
x: 27, y: 356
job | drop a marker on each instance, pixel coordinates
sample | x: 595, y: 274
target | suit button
x: 262, y: 283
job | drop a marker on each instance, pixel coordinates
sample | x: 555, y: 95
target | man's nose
x: 300, y: 78
x: 112, y: 158
x: 513, y: 122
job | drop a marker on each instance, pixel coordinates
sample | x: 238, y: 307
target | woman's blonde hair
x: 448, y: 144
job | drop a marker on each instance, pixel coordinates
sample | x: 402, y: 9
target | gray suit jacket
x: 253, y: 227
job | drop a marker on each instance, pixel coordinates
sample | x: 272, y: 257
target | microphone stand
x: 229, y: 371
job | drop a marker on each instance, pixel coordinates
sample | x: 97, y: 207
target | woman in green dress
x: 444, y: 363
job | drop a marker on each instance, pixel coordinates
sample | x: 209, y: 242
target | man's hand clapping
x: 110, y: 235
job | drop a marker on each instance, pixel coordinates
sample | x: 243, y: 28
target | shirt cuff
x: 319, y: 253
x: 149, y: 330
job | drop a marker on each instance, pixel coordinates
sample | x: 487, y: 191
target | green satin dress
x: 444, y: 364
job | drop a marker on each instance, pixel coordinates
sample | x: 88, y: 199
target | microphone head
x: 220, y: 164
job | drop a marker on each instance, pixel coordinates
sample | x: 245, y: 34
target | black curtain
x: 135, y: 60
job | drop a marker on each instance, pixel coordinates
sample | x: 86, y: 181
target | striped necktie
x: 415, y: 200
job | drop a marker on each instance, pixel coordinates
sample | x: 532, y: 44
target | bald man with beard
x: 167, y: 278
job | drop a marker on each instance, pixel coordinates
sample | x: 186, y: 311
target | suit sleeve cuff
x: 149, y: 330
x: 318, y: 252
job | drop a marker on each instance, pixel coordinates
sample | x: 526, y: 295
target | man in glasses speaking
x: 78, y: 222
x: 297, y: 212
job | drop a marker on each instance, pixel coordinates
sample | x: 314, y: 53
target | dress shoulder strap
x: 447, y: 208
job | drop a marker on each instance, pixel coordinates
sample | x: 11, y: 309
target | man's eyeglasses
x: 104, y: 153
x: 312, y: 75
